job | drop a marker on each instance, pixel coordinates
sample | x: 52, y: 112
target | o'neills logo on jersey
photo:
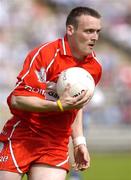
x: 36, y: 90
x: 41, y: 75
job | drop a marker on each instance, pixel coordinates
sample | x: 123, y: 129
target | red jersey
x: 38, y: 78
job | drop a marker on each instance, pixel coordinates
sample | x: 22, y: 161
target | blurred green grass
x: 109, y: 167
x: 115, y: 166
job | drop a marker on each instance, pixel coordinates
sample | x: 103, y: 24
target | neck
x: 78, y: 57
x: 75, y: 52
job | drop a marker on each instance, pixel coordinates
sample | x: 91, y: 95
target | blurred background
x: 107, y: 118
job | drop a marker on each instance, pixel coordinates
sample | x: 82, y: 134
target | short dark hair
x: 78, y: 11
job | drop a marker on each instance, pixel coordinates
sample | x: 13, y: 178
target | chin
x: 89, y: 52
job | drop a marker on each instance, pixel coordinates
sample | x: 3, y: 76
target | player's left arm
x: 81, y: 154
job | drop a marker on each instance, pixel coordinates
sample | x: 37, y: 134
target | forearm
x: 77, y: 126
x: 77, y: 131
x: 33, y: 104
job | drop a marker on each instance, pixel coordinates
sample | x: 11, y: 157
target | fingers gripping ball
x: 79, y: 80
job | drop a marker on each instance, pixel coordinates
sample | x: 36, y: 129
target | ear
x: 70, y: 30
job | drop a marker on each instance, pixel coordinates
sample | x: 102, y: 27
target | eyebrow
x: 91, y: 29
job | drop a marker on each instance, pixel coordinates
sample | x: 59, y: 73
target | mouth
x: 91, y: 45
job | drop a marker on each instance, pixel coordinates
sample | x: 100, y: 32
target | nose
x: 95, y: 36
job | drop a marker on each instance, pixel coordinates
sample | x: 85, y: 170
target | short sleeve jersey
x: 38, y: 78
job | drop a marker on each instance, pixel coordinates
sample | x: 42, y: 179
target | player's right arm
x: 33, y: 104
x: 36, y: 104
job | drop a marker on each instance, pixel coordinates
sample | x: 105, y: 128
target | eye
x: 89, y: 31
x: 98, y: 31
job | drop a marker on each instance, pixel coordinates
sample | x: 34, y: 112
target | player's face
x: 83, y: 39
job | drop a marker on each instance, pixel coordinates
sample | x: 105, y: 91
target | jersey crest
x: 41, y: 75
